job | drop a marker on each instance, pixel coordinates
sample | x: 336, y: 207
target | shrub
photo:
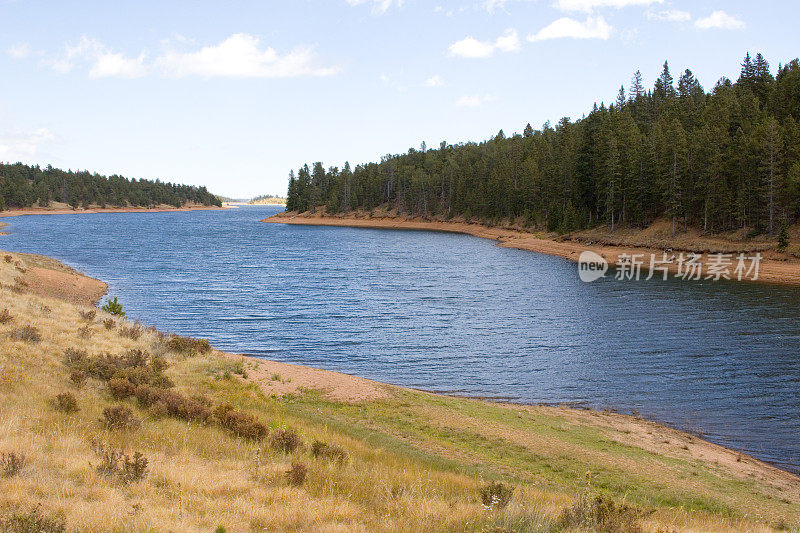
x: 188, y: 345
x: 297, y: 474
x: 132, y: 332
x: 125, y: 468
x: 78, y: 378
x: 8, y: 258
x: 113, y: 307
x: 85, y: 332
x: 243, y: 425
x: 158, y: 409
x: 496, y: 495
x: 285, y: 440
x: 33, y: 521
x: 109, y: 323
x: 74, y: 358
x: 66, y: 403
x: 600, y: 514
x: 5, y: 316
x: 327, y: 451
x: 27, y: 334
x: 238, y: 368
x: 121, y: 388
x: 136, y: 366
x: 88, y: 315
x: 12, y: 463
x: 119, y: 417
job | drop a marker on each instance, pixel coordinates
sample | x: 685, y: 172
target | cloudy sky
x: 233, y: 95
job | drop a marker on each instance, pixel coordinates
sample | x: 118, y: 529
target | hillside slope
x: 220, y: 441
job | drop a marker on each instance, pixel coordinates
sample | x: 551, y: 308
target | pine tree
x: 637, y: 86
x: 528, y: 131
x: 783, y: 238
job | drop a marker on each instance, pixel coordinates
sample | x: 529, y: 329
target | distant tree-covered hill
x: 26, y: 186
x: 268, y: 199
x: 721, y: 160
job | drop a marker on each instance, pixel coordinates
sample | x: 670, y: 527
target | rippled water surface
x: 452, y: 313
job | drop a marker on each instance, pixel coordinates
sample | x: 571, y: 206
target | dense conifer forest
x: 26, y: 186
x: 721, y: 160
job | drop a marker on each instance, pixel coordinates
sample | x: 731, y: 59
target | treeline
x: 722, y: 160
x: 25, y: 186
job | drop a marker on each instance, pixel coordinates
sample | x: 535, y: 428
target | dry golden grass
x: 201, y: 477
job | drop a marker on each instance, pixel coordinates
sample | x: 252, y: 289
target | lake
x: 454, y: 314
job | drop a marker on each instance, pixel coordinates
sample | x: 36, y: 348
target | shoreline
x: 92, y: 210
x: 770, y: 271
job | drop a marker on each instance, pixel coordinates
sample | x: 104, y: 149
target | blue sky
x: 233, y: 95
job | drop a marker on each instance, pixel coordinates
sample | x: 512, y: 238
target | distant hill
x: 267, y: 199
x: 25, y: 186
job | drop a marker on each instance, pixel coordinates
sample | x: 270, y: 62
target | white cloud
x: 720, y: 20
x: 102, y: 62
x: 474, y: 100
x: 567, y: 28
x: 20, y: 51
x: 239, y: 56
x: 384, y: 78
x: 670, y: 15
x: 434, y: 81
x: 491, y: 5
x: 379, y: 7
x: 508, y: 42
x: 110, y: 65
x: 23, y: 146
x: 589, y: 5
x: 473, y: 48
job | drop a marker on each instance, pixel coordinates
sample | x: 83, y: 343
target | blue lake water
x: 452, y: 313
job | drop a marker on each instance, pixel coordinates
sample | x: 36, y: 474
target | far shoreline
x: 772, y: 271
x: 93, y: 210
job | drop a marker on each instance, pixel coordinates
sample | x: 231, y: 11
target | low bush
x: 78, y: 378
x: 123, y: 467
x: 121, y: 388
x: 243, y: 425
x: 136, y: 366
x: 187, y: 345
x: 496, y: 495
x: 297, y: 474
x: 33, y: 521
x: 85, y: 332
x: 109, y: 323
x: 26, y: 334
x: 88, y: 315
x: 131, y: 332
x: 285, y: 440
x: 327, y: 451
x: 66, y: 403
x: 5, y: 316
x: 162, y: 402
x: 599, y: 513
x: 119, y: 417
x: 12, y: 463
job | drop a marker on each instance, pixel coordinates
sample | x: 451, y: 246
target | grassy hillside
x: 229, y: 441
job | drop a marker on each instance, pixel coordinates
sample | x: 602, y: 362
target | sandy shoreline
x: 770, y: 271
